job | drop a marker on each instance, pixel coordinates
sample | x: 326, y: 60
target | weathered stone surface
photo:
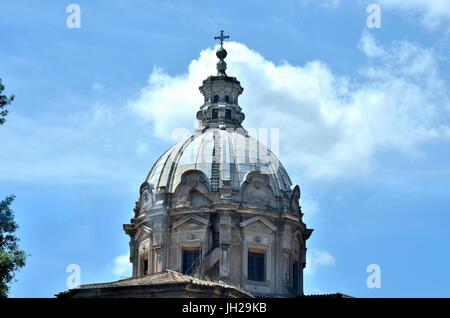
x: 224, y: 194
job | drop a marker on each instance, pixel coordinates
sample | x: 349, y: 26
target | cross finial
x: 221, y: 37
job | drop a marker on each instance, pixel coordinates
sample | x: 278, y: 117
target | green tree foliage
x: 12, y: 258
x: 4, y: 101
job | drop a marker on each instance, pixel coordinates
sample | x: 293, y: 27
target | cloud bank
x: 330, y: 125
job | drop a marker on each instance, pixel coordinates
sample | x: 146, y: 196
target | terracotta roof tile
x: 165, y: 277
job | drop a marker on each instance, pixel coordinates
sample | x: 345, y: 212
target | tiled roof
x: 165, y: 277
x: 336, y: 295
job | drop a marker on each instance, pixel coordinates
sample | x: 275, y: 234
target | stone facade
x: 220, y: 204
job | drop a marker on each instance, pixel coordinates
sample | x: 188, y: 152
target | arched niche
x: 193, y: 188
x: 147, y: 196
x: 256, y: 189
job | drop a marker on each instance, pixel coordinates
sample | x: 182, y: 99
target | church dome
x: 225, y: 156
x: 219, y: 204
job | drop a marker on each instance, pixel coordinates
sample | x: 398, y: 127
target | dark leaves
x: 11, y: 257
x: 4, y: 101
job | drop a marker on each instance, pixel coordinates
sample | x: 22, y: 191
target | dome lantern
x: 221, y: 92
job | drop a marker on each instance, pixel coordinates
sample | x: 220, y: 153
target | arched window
x: 216, y: 98
x: 227, y: 98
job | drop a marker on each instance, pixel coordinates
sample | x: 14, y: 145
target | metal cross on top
x: 221, y: 37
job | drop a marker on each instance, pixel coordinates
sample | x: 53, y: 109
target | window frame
x: 145, y: 266
x: 192, y: 250
x: 263, y: 255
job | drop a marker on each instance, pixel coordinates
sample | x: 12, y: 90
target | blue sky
x: 363, y: 117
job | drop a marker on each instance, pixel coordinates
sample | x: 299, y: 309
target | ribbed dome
x: 223, y: 156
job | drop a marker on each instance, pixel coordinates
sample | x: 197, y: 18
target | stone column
x: 224, y: 262
x: 225, y: 240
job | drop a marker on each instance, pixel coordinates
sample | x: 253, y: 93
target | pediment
x: 258, y: 222
x: 191, y: 221
x: 192, y: 181
x: 143, y: 232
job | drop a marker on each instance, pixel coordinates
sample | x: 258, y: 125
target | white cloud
x: 432, y: 12
x: 171, y: 102
x: 370, y: 47
x: 329, y: 125
x: 122, y: 266
x: 318, y: 258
